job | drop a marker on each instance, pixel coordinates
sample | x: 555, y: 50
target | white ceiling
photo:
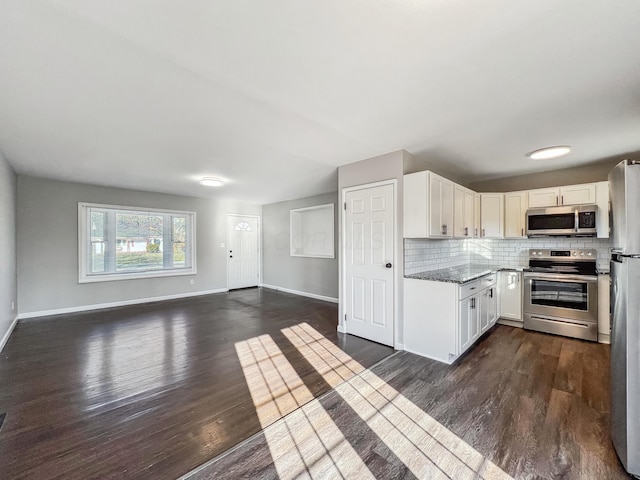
x: 273, y: 95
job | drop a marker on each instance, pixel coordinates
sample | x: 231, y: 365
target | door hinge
x: 345, y: 205
x: 345, y: 317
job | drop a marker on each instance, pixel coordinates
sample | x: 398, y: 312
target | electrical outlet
x: 192, y: 281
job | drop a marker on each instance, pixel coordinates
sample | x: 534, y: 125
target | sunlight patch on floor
x: 306, y: 443
x: 425, y: 446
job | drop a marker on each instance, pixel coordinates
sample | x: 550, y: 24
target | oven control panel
x: 550, y: 254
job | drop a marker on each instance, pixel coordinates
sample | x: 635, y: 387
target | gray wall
x: 47, y: 226
x: 383, y: 167
x: 7, y: 246
x: 311, y: 275
x: 596, y: 172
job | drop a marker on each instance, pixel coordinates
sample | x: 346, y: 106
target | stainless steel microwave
x: 572, y: 221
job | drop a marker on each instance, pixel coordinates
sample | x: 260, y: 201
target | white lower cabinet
x: 510, y: 288
x: 442, y: 320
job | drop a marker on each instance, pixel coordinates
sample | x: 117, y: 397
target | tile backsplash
x: 425, y: 254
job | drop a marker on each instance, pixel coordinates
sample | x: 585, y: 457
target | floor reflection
x: 306, y: 443
x: 134, y: 359
x: 425, y: 446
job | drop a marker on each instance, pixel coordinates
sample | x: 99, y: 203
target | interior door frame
x: 259, y: 233
x: 396, y: 256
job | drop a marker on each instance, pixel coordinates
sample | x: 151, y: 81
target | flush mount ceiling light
x: 549, y: 152
x: 211, y: 182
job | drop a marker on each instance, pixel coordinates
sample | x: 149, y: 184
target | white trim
x: 226, y: 253
x: 332, y: 234
x: 510, y: 323
x: 399, y: 346
x: 397, y: 252
x: 341, y: 328
x: 604, y: 338
x: 448, y: 362
x: 5, y: 339
x: 298, y: 292
x: 99, y: 306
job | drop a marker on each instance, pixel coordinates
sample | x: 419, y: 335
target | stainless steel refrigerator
x: 624, y: 192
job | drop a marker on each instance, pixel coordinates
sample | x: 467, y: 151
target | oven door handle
x: 561, y: 277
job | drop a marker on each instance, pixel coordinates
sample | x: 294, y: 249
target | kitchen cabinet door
x: 440, y: 209
x: 510, y: 288
x: 469, y: 213
x: 458, y: 211
x: 544, y: 197
x: 492, y: 215
x: 493, y: 306
x: 476, y: 215
x: 484, y: 311
x: 463, y: 212
x: 468, y: 319
x: 515, y: 211
x: 578, y: 194
x: 602, y: 201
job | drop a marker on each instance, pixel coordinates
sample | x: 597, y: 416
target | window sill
x: 112, y: 277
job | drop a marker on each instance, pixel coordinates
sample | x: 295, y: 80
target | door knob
x: 388, y: 265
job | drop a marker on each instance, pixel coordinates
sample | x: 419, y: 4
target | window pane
x: 179, y: 234
x: 139, y: 242
x: 97, y: 235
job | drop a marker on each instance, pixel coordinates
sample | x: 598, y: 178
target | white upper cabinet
x: 463, y: 212
x: 544, y: 197
x: 567, y: 195
x: 602, y: 201
x: 440, y: 206
x: 492, y: 215
x: 476, y: 215
x: 428, y: 206
x: 515, y: 211
x: 578, y: 194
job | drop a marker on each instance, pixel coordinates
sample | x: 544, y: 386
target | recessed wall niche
x: 312, y: 231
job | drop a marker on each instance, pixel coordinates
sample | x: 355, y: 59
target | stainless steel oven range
x: 561, y: 293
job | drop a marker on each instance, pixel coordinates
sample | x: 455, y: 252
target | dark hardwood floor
x: 148, y: 391
x: 535, y: 406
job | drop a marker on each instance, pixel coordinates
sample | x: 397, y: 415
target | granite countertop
x: 460, y: 274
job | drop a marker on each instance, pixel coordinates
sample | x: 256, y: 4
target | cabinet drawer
x: 488, y: 281
x: 469, y: 288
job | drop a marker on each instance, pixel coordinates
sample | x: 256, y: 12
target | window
x: 119, y: 243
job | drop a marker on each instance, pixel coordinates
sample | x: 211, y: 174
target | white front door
x: 368, y: 256
x: 243, y: 251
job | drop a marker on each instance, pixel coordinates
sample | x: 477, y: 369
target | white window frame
x: 83, y: 245
x: 297, y: 232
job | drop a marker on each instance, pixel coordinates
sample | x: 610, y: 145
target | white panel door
x: 243, y: 251
x: 369, y: 270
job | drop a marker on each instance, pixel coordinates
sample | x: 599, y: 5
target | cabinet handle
x: 466, y: 231
x: 491, y: 293
x: 522, y: 232
x: 483, y: 232
x: 473, y: 303
x: 475, y: 234
x: 556, y: 200
x: 444, y: 229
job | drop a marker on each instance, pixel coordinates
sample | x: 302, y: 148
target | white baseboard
x: 604, y: 338
x: 297, y: 292
x: 511, y: 323
x: 99, y: 306
x: 399, y: 346
x: 5, y: 339
x: 342, y: 328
